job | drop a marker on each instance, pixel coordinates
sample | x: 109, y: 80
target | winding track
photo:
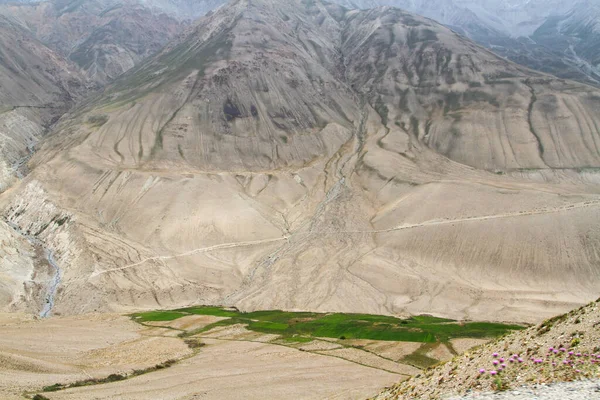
x: 569, y: 207
x: 192, y: 252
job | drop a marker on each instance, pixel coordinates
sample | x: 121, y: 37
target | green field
x: 300, y: 326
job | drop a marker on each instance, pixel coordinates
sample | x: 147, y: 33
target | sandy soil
x: 441, y: 353
x: 372, y: 360
x: 34, y: 354
x: 392, y: 350
x: 231, y: 370
x: 464, y: 344
x: 317, y: 345
x: 37, y: 353
x: 189, y: 322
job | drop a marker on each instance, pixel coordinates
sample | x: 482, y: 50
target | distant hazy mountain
x: 549, y: 35
x: 37, y: 86
x: 187, y: 9
x: 509, y: 27
x: 103, y: 37
x: 575, y: 36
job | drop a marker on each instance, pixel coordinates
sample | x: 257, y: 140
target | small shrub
x: 575, y: 342
x: 114, y: 378
x: 39, y: 397
x: 97, y: 120
x: 194, y: 343
x: 52, y: 388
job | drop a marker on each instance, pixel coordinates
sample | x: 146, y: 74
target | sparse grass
x: 110, y: 378
x: 424, y: 329
x: 6, y: 108
x: 419, y: 357
x: 500, y: 385
x: 87, y: 382
x: 194, y: 343
x: 97, y: 121
x: 158, y: 316
x: 214, y: 311
x: 298, y: 339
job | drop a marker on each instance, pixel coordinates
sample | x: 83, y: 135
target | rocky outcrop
x: 561, y: 349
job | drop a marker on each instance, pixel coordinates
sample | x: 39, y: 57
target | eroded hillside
x: 103, y: 38
x: 37, y: 87
x: 298, y: 155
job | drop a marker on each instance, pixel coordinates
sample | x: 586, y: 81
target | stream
x: 52, y: 286
x: 53, y: 283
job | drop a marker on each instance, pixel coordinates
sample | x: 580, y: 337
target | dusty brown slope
x: 41, y: 353
x: 301, y: 156
x: 563, y: 348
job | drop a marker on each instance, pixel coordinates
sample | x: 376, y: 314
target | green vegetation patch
x: 306, y: 325
x: 419, y: 357
x: 214, y: 311
x: 110, y: 378
x: 157, y: 316
x: 298, y: 339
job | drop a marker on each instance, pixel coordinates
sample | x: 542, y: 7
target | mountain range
x: 301, y: 155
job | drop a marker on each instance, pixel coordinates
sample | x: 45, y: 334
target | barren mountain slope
x: 103, y: 37
x: 186, y: 9
x: 36, y: 87
x: 527, y: 32
x: 298, y: 155
x: 575, y: 34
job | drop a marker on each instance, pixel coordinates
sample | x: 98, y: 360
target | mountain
x: 300, y: 155
x: 562, y: 348
x: 517, y: 30
x: 37, y: 87
x: 185, y: 9
x: 102, y: 37
x: 576, y: 35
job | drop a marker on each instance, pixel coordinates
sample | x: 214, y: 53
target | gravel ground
x: 579, y: 390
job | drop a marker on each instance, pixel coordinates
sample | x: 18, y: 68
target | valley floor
x: 35, y: 354
x: 222, y: 353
